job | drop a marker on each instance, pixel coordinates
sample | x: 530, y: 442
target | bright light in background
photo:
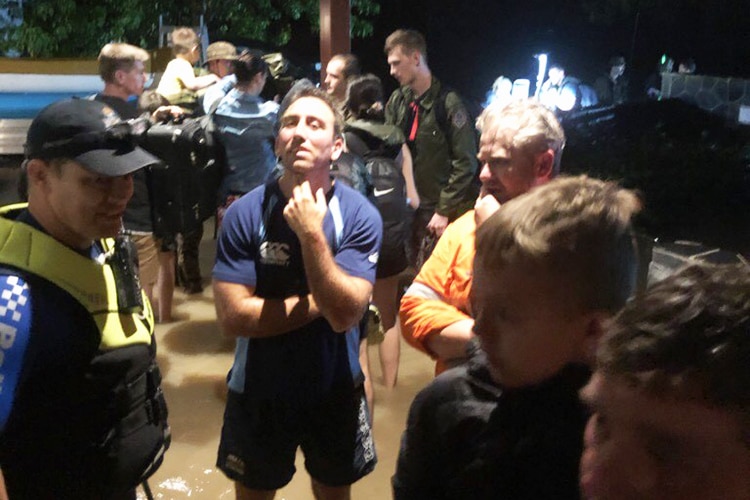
x: 500, y: 91
x: 505, y: 90
x: 542, y: 58
x: 566, y: 100
x: 521, y: 87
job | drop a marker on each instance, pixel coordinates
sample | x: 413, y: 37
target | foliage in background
x: 79, y: 28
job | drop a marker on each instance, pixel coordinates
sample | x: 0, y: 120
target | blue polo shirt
x: 257, y: 248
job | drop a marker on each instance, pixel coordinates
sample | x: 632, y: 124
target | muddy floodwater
x: 195, y: 358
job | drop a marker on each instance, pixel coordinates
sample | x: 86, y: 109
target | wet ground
x: 195, y: 358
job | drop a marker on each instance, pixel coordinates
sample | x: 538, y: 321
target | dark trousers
x: 419, y: 248
x: 188, y: 259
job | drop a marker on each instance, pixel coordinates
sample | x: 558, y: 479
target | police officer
x: 82, y: 414
x: 440, y: 135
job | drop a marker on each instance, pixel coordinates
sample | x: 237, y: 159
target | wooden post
x: 334, y: 31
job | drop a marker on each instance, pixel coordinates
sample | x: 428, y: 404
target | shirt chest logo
x: 274, y: 253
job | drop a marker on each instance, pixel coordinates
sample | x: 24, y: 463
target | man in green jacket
x: 440, y: 135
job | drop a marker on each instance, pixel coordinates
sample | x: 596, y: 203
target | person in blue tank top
x: 245, y: 127
x: 295, y: 267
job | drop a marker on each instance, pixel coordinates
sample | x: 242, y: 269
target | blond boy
x: 179, y: 83
x: 550, y: 267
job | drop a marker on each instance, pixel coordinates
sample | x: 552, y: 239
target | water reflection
x: 197, y: 337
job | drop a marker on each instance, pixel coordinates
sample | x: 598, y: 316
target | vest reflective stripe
x: 90, y: 283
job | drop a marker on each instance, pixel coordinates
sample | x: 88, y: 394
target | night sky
x: 472, y: 42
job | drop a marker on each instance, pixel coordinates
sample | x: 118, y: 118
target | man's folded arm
x: 435, y: 327
x: 340, y: 297
x: 241, y: 313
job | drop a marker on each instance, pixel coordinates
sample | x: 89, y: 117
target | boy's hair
x: 578, y: 228
x: 351, y: 65
x: 151, y: 100
x: 537, y: 127
x: 184, y: 40
x: 408, y: 40
x: 247, y: 65
x: 364, y: 98
x: 687, y: 338
x: 308, y: 89
x: 119, y: 56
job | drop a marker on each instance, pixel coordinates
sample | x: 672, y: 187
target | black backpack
x: 185, y: 188
x: 387, y: 191
x: 350, y: 169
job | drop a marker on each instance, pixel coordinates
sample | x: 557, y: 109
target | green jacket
x: 445, y: 168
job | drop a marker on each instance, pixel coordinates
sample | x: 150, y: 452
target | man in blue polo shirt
x: 294, y: 270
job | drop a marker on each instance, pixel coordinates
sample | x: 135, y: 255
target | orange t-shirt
x: 439, y: 295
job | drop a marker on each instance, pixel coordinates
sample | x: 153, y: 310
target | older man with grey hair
x: 520, y: 148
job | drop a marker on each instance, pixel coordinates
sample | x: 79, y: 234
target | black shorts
x: 391, y: 261
x: 259, y: 441
x: 392, y: 258
x: 167, y: 243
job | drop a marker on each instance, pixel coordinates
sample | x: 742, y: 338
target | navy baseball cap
x: 89, y: 132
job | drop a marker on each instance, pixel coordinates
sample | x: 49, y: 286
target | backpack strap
x: 356, y: 145
x: 207, y: 120
x: 215, y: 106
x: 441, y: 110
x: 399, y: 102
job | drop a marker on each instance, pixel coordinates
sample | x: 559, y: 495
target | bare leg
x: 385, y: 297
x: 243, y: 493
x: 323, y: 492
x: 3, y: 491
x: 149, y: 291
x: 165, y: 286
x: 148, y: 265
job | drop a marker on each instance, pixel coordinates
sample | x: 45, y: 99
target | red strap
x: 415, y: 122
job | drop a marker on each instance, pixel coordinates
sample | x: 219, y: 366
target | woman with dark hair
x: 245, y: 127
x: 383, y: 148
